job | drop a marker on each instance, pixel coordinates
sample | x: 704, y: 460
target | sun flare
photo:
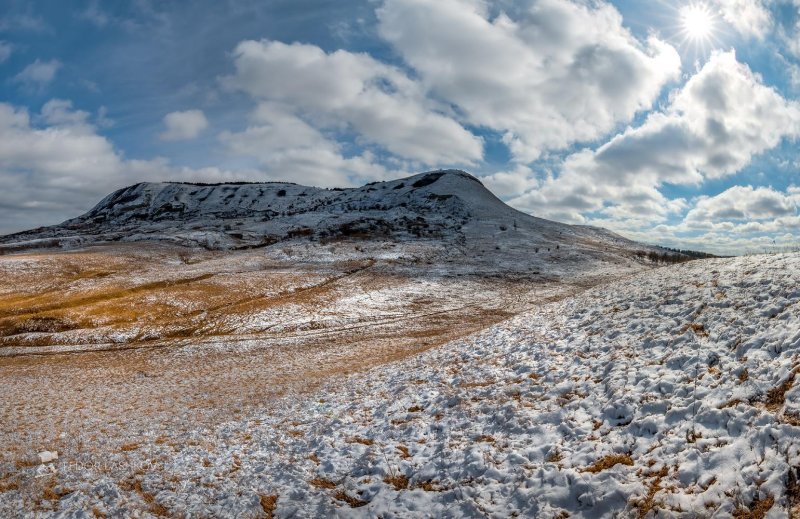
x: 697, y: 21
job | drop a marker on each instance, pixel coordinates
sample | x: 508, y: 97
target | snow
x: 670, y: 392
x: 47, y: 456
x: 446, y: 215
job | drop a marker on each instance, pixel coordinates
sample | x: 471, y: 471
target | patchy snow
x: 442, y: 216
x: 670, y: 393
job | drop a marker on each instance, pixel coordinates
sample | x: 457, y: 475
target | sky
x: 670, y: 122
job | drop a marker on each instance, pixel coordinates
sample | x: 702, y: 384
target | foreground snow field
x: 669, y: 393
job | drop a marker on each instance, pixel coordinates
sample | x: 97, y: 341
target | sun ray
x: 698, y: 21
x: 698, y: 26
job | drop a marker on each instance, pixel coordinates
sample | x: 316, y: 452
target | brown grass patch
x: 127, y: 447
x: 154, y: 507
x: 554, y: 456
x: 482, y: 383
x: 268, y: 504
x: 744, y: 375
x: 430, y: 486
x: 648, y: 502
x: 485, y: 438
x: 354, y: 502
x: 608, y: 461
x: 8, y: 486
x: 698, y: 328
x: 322, y: 483
x: 757, y: 510
x: 414, y: 409
x: 404, y: 453
x: 51, y: 494
x: 362, y: 441
x: 777, y: 395
x: 25, y: 462
x: 398, y: 482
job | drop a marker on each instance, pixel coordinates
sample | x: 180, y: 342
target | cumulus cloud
x: 512, y: 182
x: 184, y: 125
x: 545, y: 75
x: 376, y: 100
x: 39, y: 73
x: 750, y: 18
x: 286, y: 147
x: 54, y: 165
x: 714, y: 125
x: 5, y: 51
x: 741, y: 203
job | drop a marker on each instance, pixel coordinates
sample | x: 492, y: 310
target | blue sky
x: 669, y: 122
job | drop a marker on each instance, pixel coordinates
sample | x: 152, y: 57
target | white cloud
x: 509, y: 183
x: 715, y: 124
x: 288, y: 147
x: 750, y: 18
x: 184, y: 125
x: 55, y: 162
x: 546, y: 75
x: 95, y: 15
x: 5, y: 51
x: 788, y: 31
x: 740, y: 203
x: 102, y: 120
x: 23, y: 22
x: 59, y: 112
x: 39, y: 73
x: 343, y: 90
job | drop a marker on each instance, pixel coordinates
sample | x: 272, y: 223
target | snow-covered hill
x: 449, y: 210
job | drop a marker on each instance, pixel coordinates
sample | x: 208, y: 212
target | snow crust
x: 668, y: 394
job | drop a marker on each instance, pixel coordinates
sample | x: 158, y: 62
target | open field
x: 115, y: 349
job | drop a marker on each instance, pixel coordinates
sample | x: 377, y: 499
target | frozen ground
x: 668, y: 393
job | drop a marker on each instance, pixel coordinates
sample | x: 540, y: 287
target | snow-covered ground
x: 669, y: 393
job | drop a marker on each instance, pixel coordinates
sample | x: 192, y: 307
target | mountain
x: 449, y: 212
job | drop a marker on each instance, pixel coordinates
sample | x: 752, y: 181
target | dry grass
x: 404, y: 453
x: 362, y: 441
x: 777, y: 395
x: 154, y: 507
x: 169, y: 372
x: 51, y: 493
x: 744, y: 375
x: 698, y: 328
x: 322, y: 483
x: 648, y: 502
x: 608, y: 461
x: 430, y: 486
x: 756, y: 510
x: 7, y: 485
x: 354, y: 502
x: 268, y: 504
x: 554, y: 456
x: 399, y: 482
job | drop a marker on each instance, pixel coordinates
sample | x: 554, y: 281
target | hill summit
x: 450, y: 211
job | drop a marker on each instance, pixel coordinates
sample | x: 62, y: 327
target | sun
x: 697, y: 21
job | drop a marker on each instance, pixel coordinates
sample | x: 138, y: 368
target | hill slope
x: 449, y: 212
